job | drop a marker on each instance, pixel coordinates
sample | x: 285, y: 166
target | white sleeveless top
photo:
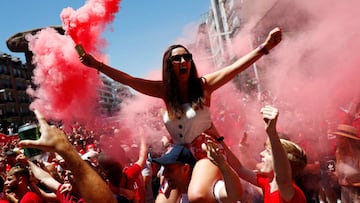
x: 185, y: 129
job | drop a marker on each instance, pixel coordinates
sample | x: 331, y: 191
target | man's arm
x: 232, y: 190
x: 54, y: 140
x: 243, y: 172
x: 143, y: 152
x: 282, y: 168
x: 44, y: 177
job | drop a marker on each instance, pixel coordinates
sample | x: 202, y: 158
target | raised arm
x: 143, y: 152
x: 233, y: 190
x: 44, y: 177
x: 282, y: 168
x: 54, y: 140
x: 243, y: 172
x: 218, y: 78
x: 148, y: 87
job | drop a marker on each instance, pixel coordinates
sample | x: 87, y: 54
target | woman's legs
x: 203, y: 178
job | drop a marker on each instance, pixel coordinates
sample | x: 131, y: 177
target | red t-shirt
x: 135, y: 181
x: 275, y: 197
x: 67, y: 197
x: 31, y: 197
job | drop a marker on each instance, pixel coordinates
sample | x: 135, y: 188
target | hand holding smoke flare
x: 65, y: 88
x: 80, y: 50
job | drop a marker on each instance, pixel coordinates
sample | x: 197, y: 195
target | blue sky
x: 140, y: 33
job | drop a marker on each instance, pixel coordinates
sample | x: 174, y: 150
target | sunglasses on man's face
x: 177, y: 58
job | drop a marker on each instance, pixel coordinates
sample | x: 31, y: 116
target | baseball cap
x: 178, y: 154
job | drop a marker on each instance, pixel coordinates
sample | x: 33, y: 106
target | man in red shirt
x: 16, y: 184
x: 53, y: 139
x: 281, y: 161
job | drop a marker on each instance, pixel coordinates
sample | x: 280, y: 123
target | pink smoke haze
x: 310, y: 76
x: 317, y: 68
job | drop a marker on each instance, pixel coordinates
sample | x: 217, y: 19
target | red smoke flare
x: 66, y: 89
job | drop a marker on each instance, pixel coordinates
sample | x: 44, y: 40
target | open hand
x: 66, y: 187
x: 52, y: 139
x: 213, y: 152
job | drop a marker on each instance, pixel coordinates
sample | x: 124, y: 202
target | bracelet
x: 263, y: 49
x: 220, y: 139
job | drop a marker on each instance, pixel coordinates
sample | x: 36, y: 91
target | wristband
x: 263, y: 49
x: 220, y: 139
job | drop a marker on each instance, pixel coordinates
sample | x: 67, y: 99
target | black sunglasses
x: 177, y: 58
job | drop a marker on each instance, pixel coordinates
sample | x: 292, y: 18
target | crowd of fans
x: 136, y: 179
x: 128, y: 176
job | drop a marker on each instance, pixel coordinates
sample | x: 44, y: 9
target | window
x: 6, y: 70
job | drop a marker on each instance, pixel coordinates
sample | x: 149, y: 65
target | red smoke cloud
x: 66, y: 89
x: 86, y: 24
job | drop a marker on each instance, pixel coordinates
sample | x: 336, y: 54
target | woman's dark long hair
x: 172, y: 91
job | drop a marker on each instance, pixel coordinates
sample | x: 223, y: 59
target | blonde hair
x: 19, y: 171
x: 296, y: 156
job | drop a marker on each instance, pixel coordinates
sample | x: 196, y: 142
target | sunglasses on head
x: 177, y: 58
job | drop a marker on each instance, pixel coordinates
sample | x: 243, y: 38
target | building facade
x: 112, y: 95
x: 226, y: 18
x: 15, y: 78
x: 14, y: 102
x: 219, y: 29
